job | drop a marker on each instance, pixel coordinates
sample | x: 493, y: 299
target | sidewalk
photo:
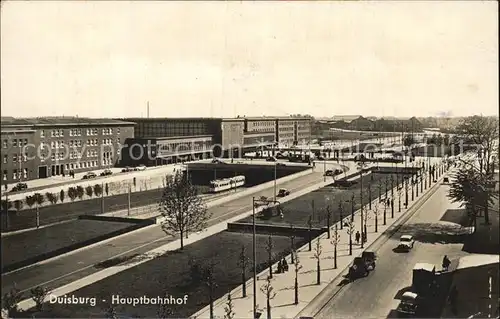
x: 283, y: 284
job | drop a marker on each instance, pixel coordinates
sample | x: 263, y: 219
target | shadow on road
x: 436, y: 233
x: 457, y: 216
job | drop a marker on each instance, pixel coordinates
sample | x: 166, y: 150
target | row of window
x: 15, y: 158
x: 15, y: 175
x: 78, y: 132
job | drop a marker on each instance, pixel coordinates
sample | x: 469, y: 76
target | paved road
x: 374, y: 296
x: 74, y: 266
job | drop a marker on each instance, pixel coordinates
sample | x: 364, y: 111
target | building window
x: 5, y: 157
x: 14, y: 174
x: 5, y: 174
x: 14, y: 142
x: 61, y: 133
x: 4, y: 143
x: 14, y: 158
x: 25, y: 173
x: 42, y: 133
x: 53, y: 157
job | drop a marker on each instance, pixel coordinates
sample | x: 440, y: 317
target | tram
x: 220, y: 185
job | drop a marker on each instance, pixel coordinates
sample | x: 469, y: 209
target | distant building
x: 361, y: 124
x: 42, y: 147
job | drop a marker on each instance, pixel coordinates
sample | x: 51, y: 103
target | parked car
x: 19, y: 187
x: 271, y: 159
x: 89, y: 175
x: 217, y: 161
x: 329, y: 173
x: 106, y: 172
x: 280, y: 164
x: 141, y: 168
x: 361, y: 266
x: 406, y: 243
x: 127, y: 169
x: 283, y: 192
x: 446, y: 180
x: 409, y: 304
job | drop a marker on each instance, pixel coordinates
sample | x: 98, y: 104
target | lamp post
x: 257, y: 202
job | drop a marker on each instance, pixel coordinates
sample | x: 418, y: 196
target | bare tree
x: 39, y: 199
x: 335, y: 242
x: 206, y: 275
x: 18, y: 204
x: 243, y: 263
x: 292, y: 243
x: 350, y: 231
x: 328, y: 220
x: 318, y: 251
x: 298, y: 267
x: 39, y: 294
x: 341, y: 213
x: 269, y: 249
x: 229, y: 310
x: 268, y: 290
x: 106, y: 189
x: 386, y: 204
x: 309, y: 233
x: 400, y: 193
x: 366, y: 218
x: 376, y: 213
x: 182, y: 207
x: 89, y: 190
x: 72, y: 194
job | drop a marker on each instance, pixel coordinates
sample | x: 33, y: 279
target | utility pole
x: 128, y: 199
x: 102, y: 197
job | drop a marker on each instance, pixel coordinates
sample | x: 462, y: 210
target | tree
x: 309, y: 233
x: 269, y: 249
x: 6, y: 205
x: 328, y: 220
x: 182, y: 207
x: 38, y: 295
x: 80, y: 191
x: 335, y: 242
x: 51, y: 197
x: 483, y: 132
x: 341, y: 213
x: 229, y: 311
x: 386, y: 203
x: 472, y: 188
x: 10, y: 301
x: 408, y: 140
x: 18, y: 204
x: 298, y: 267
x: 318, y: 251
x: 61, y: 195
x: 97, y: 190
x: 72, y: 193
x: 292, y: 243
x: 30, y: 201
x: 111, y: 312
x: 39, y: 199
x: 243, y: 263
x: 89, y: 190
x: 376, y: 213
x: 268, y: 291
x: 366, y: 218
x: 350, y: 231
x: 106, y: 189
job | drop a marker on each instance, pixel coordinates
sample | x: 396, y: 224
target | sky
x: 191, y: 59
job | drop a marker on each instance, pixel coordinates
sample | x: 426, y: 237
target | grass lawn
x: 22, y: 246
x: 297, y: 211
x: 169, y: 274
x: 71, y: 210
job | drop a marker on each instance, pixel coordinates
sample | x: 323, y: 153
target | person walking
x: 446, y: 263
x: 358, y: 237
x: 285, y: 265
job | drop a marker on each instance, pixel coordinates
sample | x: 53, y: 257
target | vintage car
x: 409, y: 304
x: 89, y: 175
x: 406, y: 242
x: 362, y: 265
x: 19, y: 187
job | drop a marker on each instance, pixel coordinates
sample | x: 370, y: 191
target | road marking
x: 303, y: 186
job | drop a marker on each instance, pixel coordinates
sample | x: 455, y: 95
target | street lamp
x: 255, y: 203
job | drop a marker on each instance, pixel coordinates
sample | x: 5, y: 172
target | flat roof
x: 59, y: 121
x: 170, y: 137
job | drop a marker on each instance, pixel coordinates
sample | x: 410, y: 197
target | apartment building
x: 56, y: 146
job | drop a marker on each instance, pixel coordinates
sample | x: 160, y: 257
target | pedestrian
x: 364, y: 239
x: 285, y: 265
x: 281, y: 215
x: 280, y: 267
x: 5, y: 186
x: 446, y: 263
x: 63, y: 174
x: 358, y: 235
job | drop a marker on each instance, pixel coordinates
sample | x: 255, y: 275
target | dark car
x: 89, y: 175
x: 283, y: 192
x: 106, y: 172
x: 127, y: 169
x: 271, y: 159
x: 19, y: 187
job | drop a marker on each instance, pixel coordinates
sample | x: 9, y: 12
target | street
x: 71, y: 267
x: 375, y: 295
